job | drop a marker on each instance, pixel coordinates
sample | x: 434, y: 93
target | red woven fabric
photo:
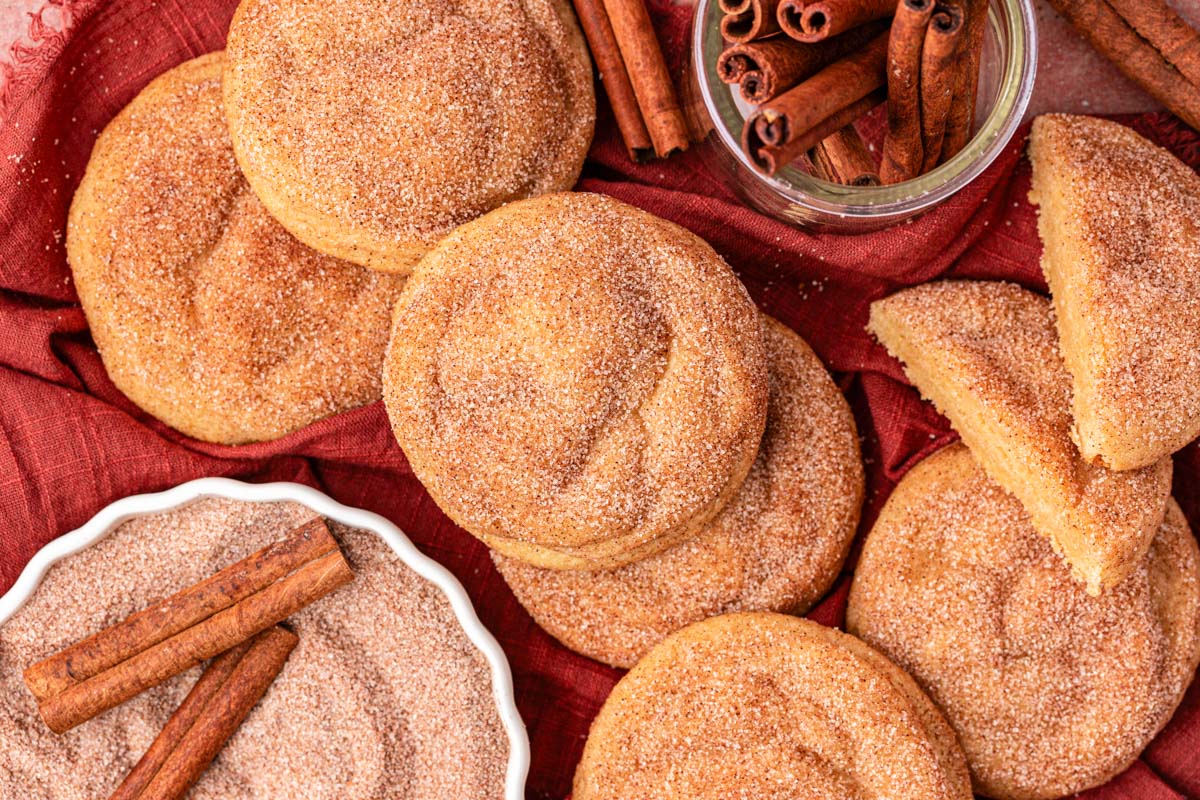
x: 70, y: 443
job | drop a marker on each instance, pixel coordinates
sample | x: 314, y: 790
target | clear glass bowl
x: 1007, y: 70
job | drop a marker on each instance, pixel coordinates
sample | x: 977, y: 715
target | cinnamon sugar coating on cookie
x: 576, y: 382
x: 1120, y: 219
x: 371, y: 128
x: 206, y: 312
x: 768, y: 707
x: 777, y: 546
x: 1050, y: 690
x: 986, y: 354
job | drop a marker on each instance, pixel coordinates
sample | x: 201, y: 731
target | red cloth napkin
x: 70, y: 443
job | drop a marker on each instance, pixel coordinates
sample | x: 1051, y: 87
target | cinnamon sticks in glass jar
x: 835, y: 60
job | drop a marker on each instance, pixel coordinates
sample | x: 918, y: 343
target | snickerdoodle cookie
x: 1120, y: 219
x: 762, y: 706
x: 1051, y: 690
x: 576, y: 382
x: 371, y: 128
x: 206, y: 312
x: 986, y: 354
x: 777, y: 546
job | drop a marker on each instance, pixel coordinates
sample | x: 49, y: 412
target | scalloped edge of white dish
x: 138, y: 505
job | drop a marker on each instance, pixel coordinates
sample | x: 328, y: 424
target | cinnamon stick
x: 189, y: 647
x: 603, y: 44
x: 1166, y: 31
x: 843, y: 158
x: 757, y: 21
x: 841, y: 83
x: 215, y: 708
x: 766, y: 68
x: 205, y: 689
x: 142, y: 630
x: 902, y: 149
x: 733, y: 6
x: 960, y: 120
x: 648, y: 74
x: 819, y: 19
x: 772, y: 158
x: 1117, y: 41
x: 937, y: 79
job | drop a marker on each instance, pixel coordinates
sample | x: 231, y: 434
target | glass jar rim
x: 900, y: 200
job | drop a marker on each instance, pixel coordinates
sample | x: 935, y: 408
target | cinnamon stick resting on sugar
x: 903, y: 153
x: 218, y: 703
x: 178, y: 633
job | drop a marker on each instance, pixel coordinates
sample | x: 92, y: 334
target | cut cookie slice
x: 987, y: 355
x: 1120, y: 219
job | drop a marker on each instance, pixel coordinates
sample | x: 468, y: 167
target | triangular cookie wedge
x: 1120, y: 219
x: 986, y: 354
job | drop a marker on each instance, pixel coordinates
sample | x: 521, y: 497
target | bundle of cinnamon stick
x: 232, y: 618
x: 1147, y: 41
x: 815, y: 67
x: 631, y: 65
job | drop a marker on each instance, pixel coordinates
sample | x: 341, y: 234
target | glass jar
x: 1007, y: 68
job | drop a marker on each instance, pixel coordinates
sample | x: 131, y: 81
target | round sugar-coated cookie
x: 1050, y: 690
x: 761, y: 706
x: 778, y: 546
x: 207, y: 313
x: 576, y: 382
x: 371, y: 128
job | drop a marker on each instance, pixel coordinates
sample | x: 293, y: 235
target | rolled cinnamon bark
x: 189, y: 647
x: 815, y: 20
x: 960, y: 120
x: 733, y: 6
x: 1117, y: 41
x: 767, y: 68
x: 181, y: 722
x: 164, y: 619
x: 843, y: 158
x: 1166, y: 31
x: 772, y: 158
x: 603, y: 44
x: 218, y: 718
x: 902, y: 148
x: 937, y: 79
x: 648, y: 74
x: 799, y: 109
x: 756, y: 22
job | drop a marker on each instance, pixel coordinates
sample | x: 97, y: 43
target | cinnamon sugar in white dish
x: 384, y: 697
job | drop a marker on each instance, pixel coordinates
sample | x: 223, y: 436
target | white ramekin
x: 138, y: 505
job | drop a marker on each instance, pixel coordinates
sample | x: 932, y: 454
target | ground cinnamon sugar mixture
x: 384, y: 696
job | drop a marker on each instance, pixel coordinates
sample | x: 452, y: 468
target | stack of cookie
x: 244, y: 225
x: 590, y: 391
x: 1039, y: 582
